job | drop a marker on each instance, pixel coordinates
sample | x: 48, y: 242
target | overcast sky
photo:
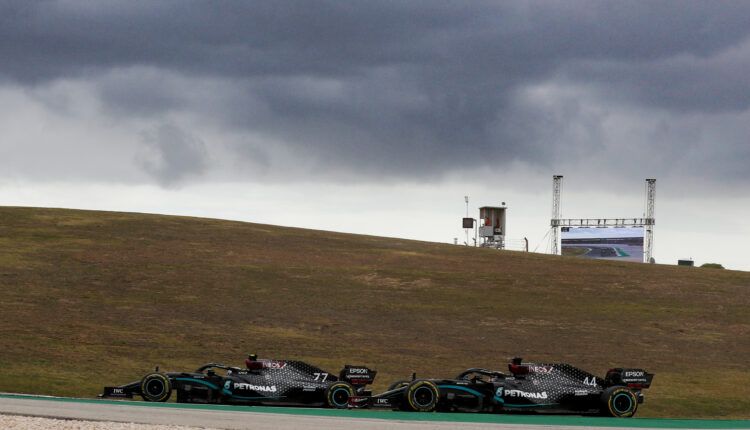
x: 378, y: 117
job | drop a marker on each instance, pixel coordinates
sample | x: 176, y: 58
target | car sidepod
x: 197, y: 387
x: 465, y: 396
x: 287, y: 383
x: 553, y: 387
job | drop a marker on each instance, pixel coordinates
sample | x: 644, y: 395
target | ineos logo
x: 274, y: 364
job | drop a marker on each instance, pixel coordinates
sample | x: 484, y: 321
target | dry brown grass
x: 93, y: 298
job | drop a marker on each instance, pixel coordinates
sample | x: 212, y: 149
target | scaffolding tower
x: 648, y: 221
x: 555, y: 222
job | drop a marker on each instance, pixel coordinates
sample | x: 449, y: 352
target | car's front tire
x: 338, y: 395
x: 620, y: 402
x: 422, y: 396
x: 156, y: 387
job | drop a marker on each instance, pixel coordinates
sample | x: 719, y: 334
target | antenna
x: 466, y: 230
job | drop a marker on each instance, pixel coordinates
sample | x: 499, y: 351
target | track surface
x: 262, y: 418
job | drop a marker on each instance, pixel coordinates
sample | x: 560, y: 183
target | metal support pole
x: 650, y: 221
x: 555, y: 221
x: 476, y: 232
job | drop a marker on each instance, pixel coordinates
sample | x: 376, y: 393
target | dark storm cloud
x: 140, y: 92
x: 409, y: 88
x: 172, y: 155
x: 46, y: 39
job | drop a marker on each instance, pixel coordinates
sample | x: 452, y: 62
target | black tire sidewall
x: 335, y: 388
x: 612, y: 394
x: 413, y: 388
x: 166, y: 392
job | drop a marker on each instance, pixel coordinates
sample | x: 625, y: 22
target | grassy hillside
x: 94, y: 298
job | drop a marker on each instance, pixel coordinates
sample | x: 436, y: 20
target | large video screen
x: 610, y: 243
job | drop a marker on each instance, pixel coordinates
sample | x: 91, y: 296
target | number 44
x: 590, y: 381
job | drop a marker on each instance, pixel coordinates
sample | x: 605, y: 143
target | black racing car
x: 261, y: 382
x: 553, y: 388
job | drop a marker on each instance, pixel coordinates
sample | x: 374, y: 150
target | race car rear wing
x: 359, y: 376
x: 631, y: 378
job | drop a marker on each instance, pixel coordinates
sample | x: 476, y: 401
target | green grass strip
x: 549, y: 420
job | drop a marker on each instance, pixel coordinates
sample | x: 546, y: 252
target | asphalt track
x: 270, y: 418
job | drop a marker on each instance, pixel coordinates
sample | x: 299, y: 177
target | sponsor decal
x: 580, y: 392
x: 118, y: 391
x: 227, y: 385
x: 382, y: 401
x: 634, y: 374
x: 525, y: 395
x: 358, y: 401
x: 499, y: 392
x: 261, y: 388
x: 273, y: 364
x: 542, y: 370
x: 358, y: 374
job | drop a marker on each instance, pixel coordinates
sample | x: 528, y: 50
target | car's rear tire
x: 338, y: 395
x: 422, y: 396
x: 620, y: 402
x: 156, y: 387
